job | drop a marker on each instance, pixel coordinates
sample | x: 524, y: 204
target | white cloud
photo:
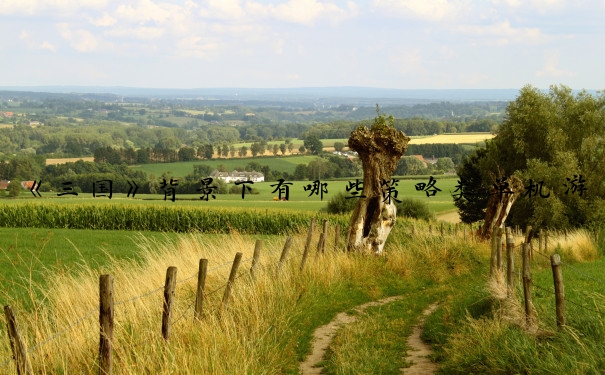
x: 106, y: 20
x: 31, y: 7
x: 551, y: 68
x: 223, y: 9
x: 146, y: 11
x: 304, y: 12
x: 81, y: 40
x: 143, y: 32
x: 430, y: 10
x: 48, y: 46
x: 502, y: 33
x: 542, y: 6
x: 278, y: 46
x: 28, y: 39
x: 196, y: 46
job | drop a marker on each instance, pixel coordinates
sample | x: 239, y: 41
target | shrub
x: 414, y: 208
x: 237, y: 189
x: 339, y: 204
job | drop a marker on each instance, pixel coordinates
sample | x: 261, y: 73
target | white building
x: 238, y: 176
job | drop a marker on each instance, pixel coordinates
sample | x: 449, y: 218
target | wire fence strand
x: 584, y: 275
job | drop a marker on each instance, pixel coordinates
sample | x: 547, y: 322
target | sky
x: 400, y: 44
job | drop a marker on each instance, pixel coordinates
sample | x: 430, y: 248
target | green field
x: 299, y: 200
x: 26, y: 254
x: 181, y: 169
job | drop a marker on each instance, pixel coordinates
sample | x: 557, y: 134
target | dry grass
x: 253, y: 335
x: 577, y: 245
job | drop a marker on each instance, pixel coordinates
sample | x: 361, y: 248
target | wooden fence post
x: 336, y: 236
x: 255, y: 257
x: 284, y: 253
x: 527, y: 282
x: 464, y: 232
x: 499, y: 246
x: 441, y: 229
x: 308, y: 244
x: 106, y: 323
x: 349, y: 229
x: 232, y: 276
x: 540, y: 237
x: 169, y: 288
x: 325, y: 238
x: 528, y: 237
x: 493, y: 261
x: 320, y: 243
x: 557, y: 275
x: 510, y: 259
x: 201, y: 285
x: 17, y: 346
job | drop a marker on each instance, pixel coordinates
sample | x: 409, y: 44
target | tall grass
x: 267, y: 325
x: 484, y: 330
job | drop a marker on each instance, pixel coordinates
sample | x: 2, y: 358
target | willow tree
x: 379, y: 149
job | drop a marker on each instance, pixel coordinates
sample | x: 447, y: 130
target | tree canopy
x: 555, y: 143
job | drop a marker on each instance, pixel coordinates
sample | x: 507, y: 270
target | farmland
x: 299, y: 201
x: 447, y: 138
x: 181, y: 169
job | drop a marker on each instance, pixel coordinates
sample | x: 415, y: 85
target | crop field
x: 461, y: 138
x: 68, y: 160
x: 455, y: 138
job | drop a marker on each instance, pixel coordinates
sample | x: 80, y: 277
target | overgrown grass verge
x: 481, y: 331
x: 265, y: 329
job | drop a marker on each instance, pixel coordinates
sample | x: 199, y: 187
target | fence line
x: 96, y: 310
x: 560, y: 298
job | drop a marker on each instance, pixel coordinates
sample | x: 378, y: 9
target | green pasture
x: 299, y: 199
x: 181, y: 169
x: 26, y: 254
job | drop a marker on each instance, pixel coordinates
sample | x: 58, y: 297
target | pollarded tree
x: 379, y: 149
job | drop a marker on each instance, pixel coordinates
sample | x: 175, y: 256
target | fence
x: 107, y: 305
x: 526, y: 252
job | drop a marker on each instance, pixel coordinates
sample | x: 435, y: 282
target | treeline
x: 75, y: 139
x: 437, y: 150
x: 410, y: 126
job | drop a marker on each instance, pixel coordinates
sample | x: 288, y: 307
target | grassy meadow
x: 268, y: 324
x: 181, y: 169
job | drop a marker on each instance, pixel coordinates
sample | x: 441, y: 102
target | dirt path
x: 322, y: 337
x: 419, y: 351
x: 450, y: 217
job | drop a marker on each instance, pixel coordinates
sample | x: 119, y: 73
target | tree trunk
x: 499, y: 205
x: 379, y: 149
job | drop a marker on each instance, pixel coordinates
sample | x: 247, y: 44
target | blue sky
x: 403, y: 44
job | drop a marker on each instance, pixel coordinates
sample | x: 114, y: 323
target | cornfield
x: 156, y: 218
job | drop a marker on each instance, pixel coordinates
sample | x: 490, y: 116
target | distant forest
x: 75, y: 125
